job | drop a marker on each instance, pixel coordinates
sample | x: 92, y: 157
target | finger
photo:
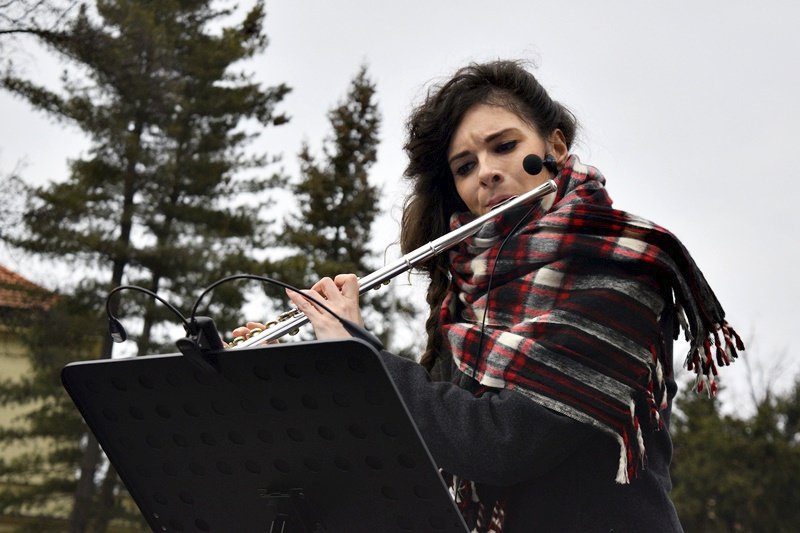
x: 348, y: 285
x: 238, y: 337
x: 315, y: 296
x: 241, y: 331
x: 326, y: 287
x: 302, y: 303
x: 255, y: 325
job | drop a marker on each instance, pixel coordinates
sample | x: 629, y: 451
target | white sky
x: 688, y: 108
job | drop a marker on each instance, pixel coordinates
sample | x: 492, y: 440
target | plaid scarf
x: 572, y: 314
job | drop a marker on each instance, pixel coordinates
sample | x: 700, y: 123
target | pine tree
x: 331, y: 232
x: 337, y: 203
x: 155, y: 202
x: 734, y: 473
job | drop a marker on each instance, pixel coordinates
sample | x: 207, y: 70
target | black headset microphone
x: 533, y: 164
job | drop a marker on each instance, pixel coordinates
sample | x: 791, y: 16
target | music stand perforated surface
x: 312, y: 433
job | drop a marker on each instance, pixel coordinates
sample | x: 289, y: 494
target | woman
x: 550, y: 331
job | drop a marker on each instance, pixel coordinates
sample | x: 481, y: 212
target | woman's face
x: 486, y: 153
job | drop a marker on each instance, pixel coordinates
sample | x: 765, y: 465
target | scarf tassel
x: 706, y: 382
x: 655, y: 408
x: 730, y: 335
x: 726, y: 345
x: 465, y: 495
x: 632, y: 456
x: 680, y: 315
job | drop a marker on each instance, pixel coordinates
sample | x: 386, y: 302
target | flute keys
x: 288, y: 314
x: 238, y: 340
x: 379, y: 286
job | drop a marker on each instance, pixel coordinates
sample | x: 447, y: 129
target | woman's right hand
x: 340, y: 295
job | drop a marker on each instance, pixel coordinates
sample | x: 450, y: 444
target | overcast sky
x: 688, y: 108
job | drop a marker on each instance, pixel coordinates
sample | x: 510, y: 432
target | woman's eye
x: 506, y: 146
x: 464, y: 169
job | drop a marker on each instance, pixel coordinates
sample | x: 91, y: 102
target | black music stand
x: 306, y: 436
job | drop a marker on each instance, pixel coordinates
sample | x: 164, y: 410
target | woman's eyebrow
x: 489, y: 138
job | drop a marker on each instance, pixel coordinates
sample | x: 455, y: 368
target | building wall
x: 14, y: 364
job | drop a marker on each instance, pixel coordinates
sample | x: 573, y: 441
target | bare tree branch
x: 32, y: 16
x: 763, y: 374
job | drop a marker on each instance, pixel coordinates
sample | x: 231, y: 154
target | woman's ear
x: 558, y: 146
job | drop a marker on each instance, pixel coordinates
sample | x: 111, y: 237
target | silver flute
x: 290, y: 321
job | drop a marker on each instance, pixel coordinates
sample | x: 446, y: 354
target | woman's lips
x: 497, y: 200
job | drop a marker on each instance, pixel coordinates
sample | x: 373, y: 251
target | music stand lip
x: 323, y: 417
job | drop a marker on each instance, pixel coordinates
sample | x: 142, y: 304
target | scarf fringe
x: 720, y: 347
x: 631, y: 456
x: 680, y: 315
x: 622, y: 470
x: 473, y: 509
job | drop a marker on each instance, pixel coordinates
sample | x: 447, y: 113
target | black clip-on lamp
x: 202, y: 338
x: 201, y: 333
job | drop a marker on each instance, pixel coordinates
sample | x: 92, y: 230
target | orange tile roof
x: 16, y: 292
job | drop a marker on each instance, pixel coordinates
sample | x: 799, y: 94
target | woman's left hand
x: 340, y: 295
x: 245, y: 332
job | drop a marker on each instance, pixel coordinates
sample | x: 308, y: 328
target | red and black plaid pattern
x: 572, y: 315
x: 479, y: 517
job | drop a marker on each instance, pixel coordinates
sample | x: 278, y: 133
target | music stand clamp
x: 201, y: 339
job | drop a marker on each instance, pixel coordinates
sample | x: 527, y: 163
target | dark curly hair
x: 433, y: 198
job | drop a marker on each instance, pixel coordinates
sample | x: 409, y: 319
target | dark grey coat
x: 557, y: 473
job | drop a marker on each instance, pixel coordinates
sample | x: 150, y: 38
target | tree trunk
x: 106, y: 501
x: 84, y: 490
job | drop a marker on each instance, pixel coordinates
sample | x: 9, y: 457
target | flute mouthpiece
x: 498, y: 204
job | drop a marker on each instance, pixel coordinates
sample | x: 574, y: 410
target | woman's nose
x: 489, y: 177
